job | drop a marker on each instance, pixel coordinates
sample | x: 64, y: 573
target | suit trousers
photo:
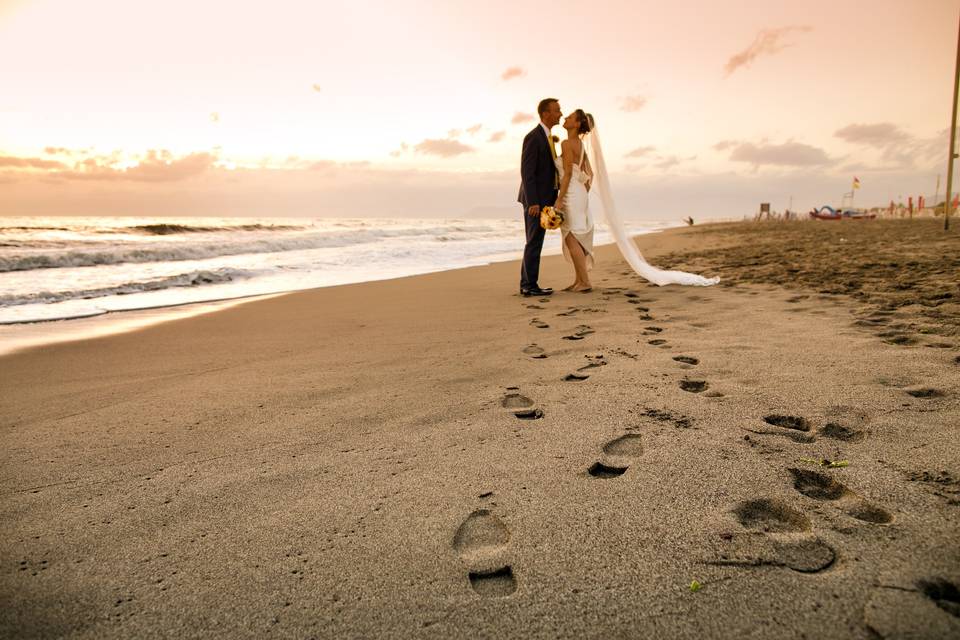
x: 530, y: 267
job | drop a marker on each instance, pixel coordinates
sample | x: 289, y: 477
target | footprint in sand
x: 618, y: 454
x: 924, y: 392
x: 593, y: 362
x: 897, y: 338
x: 788, y: 422
x: 647, y: 331
x: 520, y: 405
x: 534, y: 351
x: 529, y: 414
x: 481, y: 542
x: 686, y: 360
x: 539, y: 324
x: 839, y: 432
x: 657, y: 342
x: 575, y: 377
x: 820, y: 486
x: 797, y: 428
x: 770, y: 515
x: 580, y: 333
x: 777, y: 535
x: 694, y: 386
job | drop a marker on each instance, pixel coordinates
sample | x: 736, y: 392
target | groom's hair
x: 544, y: 105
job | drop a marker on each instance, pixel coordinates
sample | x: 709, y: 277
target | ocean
x: 61, y: 268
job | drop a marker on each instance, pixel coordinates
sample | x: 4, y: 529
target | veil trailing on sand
x: 629, y: 250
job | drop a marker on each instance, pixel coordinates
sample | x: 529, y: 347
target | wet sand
x: 436, y: 456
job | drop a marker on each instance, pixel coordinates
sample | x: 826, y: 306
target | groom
x: 538, y: 188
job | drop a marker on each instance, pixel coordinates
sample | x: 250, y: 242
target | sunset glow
x: 114, y: 106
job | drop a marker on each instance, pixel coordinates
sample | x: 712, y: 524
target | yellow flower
x: 551, y: 218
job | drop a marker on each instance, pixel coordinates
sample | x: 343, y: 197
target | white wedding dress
x: 601, y: 187
x: 576, y: 209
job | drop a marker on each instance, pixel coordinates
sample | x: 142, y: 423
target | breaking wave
x: 191, y: 279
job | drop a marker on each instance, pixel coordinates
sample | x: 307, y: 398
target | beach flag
x: 856, y: 182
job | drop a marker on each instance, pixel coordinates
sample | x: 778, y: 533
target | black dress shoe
x: 536, y: 291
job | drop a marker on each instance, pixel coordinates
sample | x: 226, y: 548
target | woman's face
x: 572, y: 121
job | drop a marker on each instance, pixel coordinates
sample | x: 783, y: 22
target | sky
x: 418, y: 108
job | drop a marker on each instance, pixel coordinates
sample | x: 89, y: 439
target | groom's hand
x: 534, y: 210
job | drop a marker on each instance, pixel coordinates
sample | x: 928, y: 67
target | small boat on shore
x: 827, y: 212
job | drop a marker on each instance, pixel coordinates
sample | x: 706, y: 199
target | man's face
x: 552, y: 115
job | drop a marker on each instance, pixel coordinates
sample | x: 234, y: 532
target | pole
x: 936, y: 194
x: 953, y: 137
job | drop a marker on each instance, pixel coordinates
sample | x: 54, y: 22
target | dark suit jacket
x: 537, y: 171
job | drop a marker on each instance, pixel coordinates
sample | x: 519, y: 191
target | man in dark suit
x: 539, y: 183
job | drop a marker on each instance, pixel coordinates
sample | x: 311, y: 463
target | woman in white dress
x: 575, y: 178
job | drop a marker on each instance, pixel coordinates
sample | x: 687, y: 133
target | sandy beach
x: 437, y: 457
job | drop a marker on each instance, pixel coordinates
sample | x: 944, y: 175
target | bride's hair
x: 585, y: 120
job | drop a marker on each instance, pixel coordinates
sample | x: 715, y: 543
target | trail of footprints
x: 774, y: 532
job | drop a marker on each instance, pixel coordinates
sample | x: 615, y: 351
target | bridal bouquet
x: 551, y: 218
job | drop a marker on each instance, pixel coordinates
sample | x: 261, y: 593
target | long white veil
x: 601, y: 186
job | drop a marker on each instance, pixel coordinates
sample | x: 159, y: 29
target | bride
x: 577, y: 228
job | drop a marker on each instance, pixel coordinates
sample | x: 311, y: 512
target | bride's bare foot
x: 582, y: 288
x: 571, y: 287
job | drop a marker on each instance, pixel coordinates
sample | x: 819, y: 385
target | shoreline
x: 162, y: 270
x: 16, y: 336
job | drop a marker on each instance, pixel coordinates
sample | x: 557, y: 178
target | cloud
x: 767, y: 43
x: 454, y: 133
x: 316, y: 87
x: 322, y: 165
x: 879, y: 135
x: 58, y: 151
x: 520, y: 117
x: 898, y: 149
x: 475, y: 129
x: 214, y: 117
x: 640, y: 152
x: 30, y: 163
x: 667, y: 162
x: 156, y: 166
x: 153, y: 166
x: 497, y: 136
x: 513, y: 72
x: 442, y: 148
x: 632, y: 103
x: 377, y: 192
x: 788, y: 154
